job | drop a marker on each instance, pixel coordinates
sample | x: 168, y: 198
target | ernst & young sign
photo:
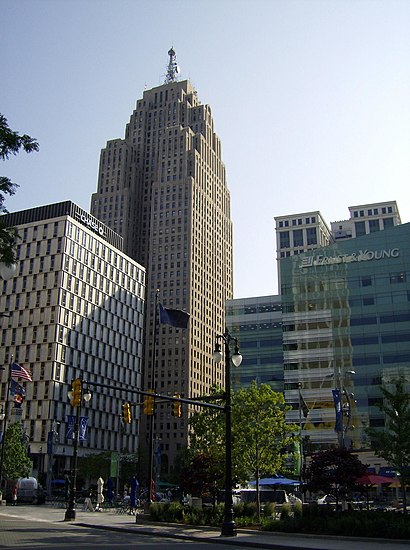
x: 360, y: 256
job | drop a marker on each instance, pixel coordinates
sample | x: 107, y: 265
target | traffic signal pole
x: 70, y: 512
x: 77, y: 391
x: 152, y: 416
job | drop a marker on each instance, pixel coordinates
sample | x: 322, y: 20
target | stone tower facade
x: 163, y: 188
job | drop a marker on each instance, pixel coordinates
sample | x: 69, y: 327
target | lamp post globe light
x: 228, y: 526
x: 76, y: 395
x: 7, y: 271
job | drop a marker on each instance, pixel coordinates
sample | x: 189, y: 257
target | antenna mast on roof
x: 172, y: 68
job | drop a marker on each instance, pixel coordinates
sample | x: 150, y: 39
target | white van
x: 29, y: 490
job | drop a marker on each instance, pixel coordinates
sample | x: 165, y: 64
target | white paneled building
x: 73, y: 309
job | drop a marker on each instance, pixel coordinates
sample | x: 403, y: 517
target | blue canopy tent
x: 275, y: 481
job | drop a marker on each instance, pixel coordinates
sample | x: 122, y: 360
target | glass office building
x: 257, y: 324
x: 346, y: 327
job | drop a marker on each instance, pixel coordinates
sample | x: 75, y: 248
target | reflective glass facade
x: 346, y: 325
x: 257, y: 324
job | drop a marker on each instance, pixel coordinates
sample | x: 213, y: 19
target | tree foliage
x: 207, y: 430
x: 10, y: 144
x: 334, y: 471
x: 201, y: 475
x: 16, y: 462
x: 94, y: 465
x: 260, y: 434
x: 393, y: 442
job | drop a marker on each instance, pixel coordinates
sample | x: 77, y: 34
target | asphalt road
x: 35, y: 527
x: 17, y: 533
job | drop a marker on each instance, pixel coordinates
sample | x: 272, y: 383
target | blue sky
x: 310, y: 99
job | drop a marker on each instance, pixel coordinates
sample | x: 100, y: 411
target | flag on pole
x: 69, y: 433
x: 15, y: 387
x: 337, y: 399
x: 174, y: 317
x: 82, y: 428
x: 305, y: 408
x: 18, y: 371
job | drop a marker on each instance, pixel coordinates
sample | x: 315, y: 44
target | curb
x: 234, y: 541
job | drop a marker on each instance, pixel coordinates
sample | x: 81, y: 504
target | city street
x: 20, y: 533
x: 44, y: 527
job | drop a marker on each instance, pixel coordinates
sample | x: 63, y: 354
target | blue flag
x: 82, y: 427
x: 337, y: 399
x: 70, y: 426
x: 174, y: 317
x: 15, y: 387
x: 82, y: 435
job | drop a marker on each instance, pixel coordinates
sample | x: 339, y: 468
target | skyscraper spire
x: 172, y: 68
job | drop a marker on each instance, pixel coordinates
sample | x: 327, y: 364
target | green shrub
x: 174, y: 511
x: 269, y: 509
x: 238, y: 510
x: 250, y: 509
x: 298, y: 509
x: 315, y: 519
x: 155, y: 511
x: 286, y: 511
x: 166, y: 511
x: 271, y: 524
x: 245, y: 521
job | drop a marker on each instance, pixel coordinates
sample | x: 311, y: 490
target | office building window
x: 388, y: 222
x: 366, y: 281
x: 360, y: 228
x: 397, y: 278
x: 311, y: 235
x: 284, y: 239
x: 297, y: 237
x: 374, y: 226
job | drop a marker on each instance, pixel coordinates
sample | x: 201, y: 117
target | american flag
x: 18, y: 371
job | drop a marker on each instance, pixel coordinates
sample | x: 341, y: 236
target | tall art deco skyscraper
x: 163, y: 188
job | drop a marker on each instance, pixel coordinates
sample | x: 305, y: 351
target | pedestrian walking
x: 100, y: 496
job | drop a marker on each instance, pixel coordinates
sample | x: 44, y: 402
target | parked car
x: 327, y: 499
x: 280, y: 496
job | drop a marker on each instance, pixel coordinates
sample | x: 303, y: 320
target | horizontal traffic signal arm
x: 200, y: 402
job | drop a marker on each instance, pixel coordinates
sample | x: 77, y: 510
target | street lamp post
x: 76, y: 396
x: 3, y: 428
x: 228, y: 526
x: 4, y: 418
x: 7, y: 271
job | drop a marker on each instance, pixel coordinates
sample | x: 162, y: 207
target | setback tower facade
x: 73, y: 309
x: 163, y: 189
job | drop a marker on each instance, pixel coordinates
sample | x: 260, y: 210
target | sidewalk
x: 110, y: 520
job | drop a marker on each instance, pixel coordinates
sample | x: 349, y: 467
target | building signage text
x: 361, y: 256
x: 91, y: 224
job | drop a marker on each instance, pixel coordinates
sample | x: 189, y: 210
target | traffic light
x: 149, y: 404
x: 176, y: 407
x: 77, y: 390
x: 126, y: 413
